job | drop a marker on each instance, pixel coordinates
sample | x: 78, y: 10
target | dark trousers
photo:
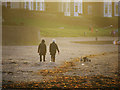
x: 53, y: 58
x: 41, y: 58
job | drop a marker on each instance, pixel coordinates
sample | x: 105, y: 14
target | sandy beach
x: 21, y: 63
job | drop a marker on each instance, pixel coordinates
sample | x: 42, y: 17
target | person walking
x: 42, y: 50
x: 52, y: 49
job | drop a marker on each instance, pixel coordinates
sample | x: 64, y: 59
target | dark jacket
x: 53, y: 47
x: 42, y: 49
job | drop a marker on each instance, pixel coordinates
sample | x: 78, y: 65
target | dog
x: 85, y: 59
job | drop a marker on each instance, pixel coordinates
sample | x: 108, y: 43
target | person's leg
x: 44, y: 58
x: 40, y: 58
x: 51, y: 58
x: 54, y: 58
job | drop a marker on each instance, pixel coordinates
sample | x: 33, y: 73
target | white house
x: 74, y: 8
x: 27, y: 4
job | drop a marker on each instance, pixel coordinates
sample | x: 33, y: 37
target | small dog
x: 85, y: 59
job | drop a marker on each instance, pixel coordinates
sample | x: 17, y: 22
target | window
x: 67, y: 8
x: 77, y: 7
x: 89, y: 10
x: 116, y: 8
x: 11, y: 5
x: 26, y: 4
x: 30, y: 6
x: 119, y: 8
x: 40, y: 5
x: 36, y: 6
x: 80, y: 7
x: 108, y: 9
x: 6, y: 3
x: 62, y: 6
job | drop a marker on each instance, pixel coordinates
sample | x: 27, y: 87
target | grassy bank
x: 94, y: 42
x: 57, y: 25
x: 23, y: 26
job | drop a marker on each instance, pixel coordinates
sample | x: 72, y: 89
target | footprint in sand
x: 25, y: 62
x: 9, y: 59
x: 24, y: 71
x: 12, y: 62
x: 38, y: 64
x: 22, y: 59
x: 11, y: 73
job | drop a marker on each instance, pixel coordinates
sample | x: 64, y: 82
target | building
x: 29, y: 5
x: 71, y: 8
x: 76, y: 8
x: 104, y: 9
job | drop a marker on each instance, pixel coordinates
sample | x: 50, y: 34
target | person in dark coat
x: 42, y: 50
x: 52, y: 49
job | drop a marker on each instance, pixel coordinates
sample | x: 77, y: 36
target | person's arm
x: 57, y: 48
x: 39, y: 48
x: 45, y: 49
x: 50, y: 48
